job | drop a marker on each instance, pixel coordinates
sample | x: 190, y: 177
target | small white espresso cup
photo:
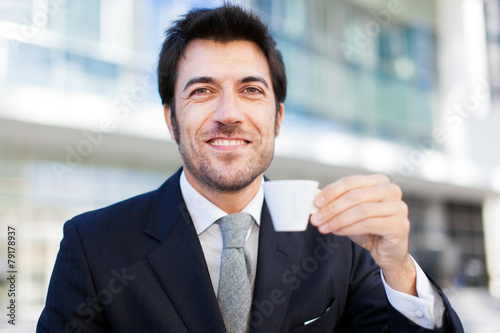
x: 290, y: 203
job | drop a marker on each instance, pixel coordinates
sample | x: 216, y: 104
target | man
x: 155, y: 263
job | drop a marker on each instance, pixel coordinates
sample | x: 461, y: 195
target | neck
x: 230, y: 202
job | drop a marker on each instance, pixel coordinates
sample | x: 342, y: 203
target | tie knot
x: 234, y: 229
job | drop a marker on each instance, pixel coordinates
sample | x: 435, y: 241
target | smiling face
x: 225, y: 114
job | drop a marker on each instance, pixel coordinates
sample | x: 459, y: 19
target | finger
x: 350, y: 199
x: 391, y: 231
x: 343, y: 185
x: 395, y: 225
x: 364, y: 212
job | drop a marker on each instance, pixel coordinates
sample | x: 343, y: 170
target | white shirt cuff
x: 426, y: 310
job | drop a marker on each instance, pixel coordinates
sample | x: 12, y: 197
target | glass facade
x: 368, y: 73
x: 15, y: 11
x: 466, y: 230
x: 492, y: 18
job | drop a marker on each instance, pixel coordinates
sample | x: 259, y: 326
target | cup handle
x: 314, y: 209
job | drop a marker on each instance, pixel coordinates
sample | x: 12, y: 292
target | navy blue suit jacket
x: 138, y: 266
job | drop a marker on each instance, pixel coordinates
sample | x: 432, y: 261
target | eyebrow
x: 199, y: 79
x: 254, y: 79
x: 208, y: 79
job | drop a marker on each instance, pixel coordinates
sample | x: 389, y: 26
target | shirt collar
x: 204, y: 213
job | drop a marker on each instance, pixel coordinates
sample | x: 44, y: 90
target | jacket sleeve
x: 367, y: 307
x: 72, y: 303
x: 451, y: 321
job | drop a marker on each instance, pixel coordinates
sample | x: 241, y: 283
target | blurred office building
x: 406, y: 88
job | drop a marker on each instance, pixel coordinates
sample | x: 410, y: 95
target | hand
x: 371, y: 212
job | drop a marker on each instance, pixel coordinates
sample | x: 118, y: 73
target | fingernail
x: 316, y: 218
x: 320, y: 201
x: 323, y: 228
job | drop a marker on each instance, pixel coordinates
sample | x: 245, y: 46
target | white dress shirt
x: 426, y: 310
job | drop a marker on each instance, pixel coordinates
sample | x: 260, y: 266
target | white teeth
x: 227, y: 142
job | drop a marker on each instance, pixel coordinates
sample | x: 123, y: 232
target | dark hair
x: 223, y: 24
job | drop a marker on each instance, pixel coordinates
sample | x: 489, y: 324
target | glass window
x: 492, y: 13
x: 295, y: 18
x: 83, y: 19
x: 422, y: 46
x: 383, y: 87
x: 30, y: 65
x: 16, y: 11
x: 90, y: 74
x: 492, y: 17
x: 298, y: 73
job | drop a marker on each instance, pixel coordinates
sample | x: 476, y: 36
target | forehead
x: 222, y: 61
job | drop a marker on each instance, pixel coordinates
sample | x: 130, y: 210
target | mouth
x: 228, y: 143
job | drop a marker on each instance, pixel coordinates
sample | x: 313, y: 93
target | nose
x: 228, y: 111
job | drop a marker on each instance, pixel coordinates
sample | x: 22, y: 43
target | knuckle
x: 345, y: 218
x: 366, y: 223
x: 362, y: 210
x: 350, y: 180
x: 383, y: 179
x: 327, y: 209
x: 396, y: 190
x: 353, y: 196
x: 327, y: 212
x: 403, y: 207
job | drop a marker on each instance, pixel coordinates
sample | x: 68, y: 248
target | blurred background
x: 407, y: 88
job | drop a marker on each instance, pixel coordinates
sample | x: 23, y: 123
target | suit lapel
x: 180, y: 266
x: 179, y: 263
x: 275, y: 278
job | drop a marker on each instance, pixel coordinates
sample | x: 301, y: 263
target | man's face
x: 225, y: 113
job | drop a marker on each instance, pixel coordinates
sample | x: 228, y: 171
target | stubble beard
x: 233, y: 176
x: 230, y: 178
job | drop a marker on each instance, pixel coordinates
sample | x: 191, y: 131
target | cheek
x: 196, y: 115
x: 263, y: 116
x: 269, y: 123
x: 189, y: 122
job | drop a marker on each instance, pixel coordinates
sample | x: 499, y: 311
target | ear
x: 168, y: 118
x: 279, y: 119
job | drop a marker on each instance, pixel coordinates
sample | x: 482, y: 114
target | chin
x: 232, y: 182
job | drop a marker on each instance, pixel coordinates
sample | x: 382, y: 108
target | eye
x: 200, y: 91
x: 252, y: 90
